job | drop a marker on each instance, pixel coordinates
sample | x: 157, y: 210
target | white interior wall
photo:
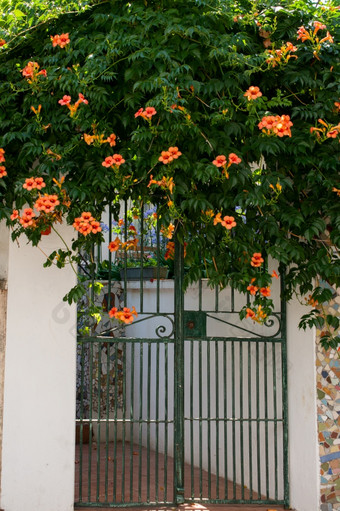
x: 39, y: 401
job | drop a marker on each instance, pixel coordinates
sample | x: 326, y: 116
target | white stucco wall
x: 4, y: 247
x: 39, y: 401
x: 304, y: 465
x: 4, y: 244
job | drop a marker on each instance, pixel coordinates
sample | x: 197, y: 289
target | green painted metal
x: 179, y: 377
x: 174, y: 414
x: 285, y: 394
x: 195, y: 324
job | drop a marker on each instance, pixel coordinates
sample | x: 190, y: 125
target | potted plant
x: 141, y: 249
x: 145, y: 267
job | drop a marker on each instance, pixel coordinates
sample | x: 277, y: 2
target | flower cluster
x: 265, y: 34
x: 252, y: 93
x: 257, y: 315
x: 221, y: 161
x: 257, y: 260
x: 258, y: 312
x: 47, y: 203
x: 86, y: 224
x: 282, y: 55
x: 277, y: 125
x: 128, y: 235
x: 146, y: 113
x: 277, y: 188
x: 99, y: 139
x: 114, y: 245
x: 31, y: 72
x: 327, y: 131
x: 164, y: 183
x: 228, y: 221
x: 34, y: 183
x: 168, y: 232
x: 125, y: 316
x: 26, y: 220
x: 36, y: 111
x: 311, y: 35
x: 113, y: 161
x: 311, y: 301
x: 264, y: 291
x: 170, y: 250
x: 168, y: 156
x: 44, y: 204
x: 111, y: 139
x: 3, y: 172
x: 117, y: 244
x: 66, y: 101
x: 61, y: 40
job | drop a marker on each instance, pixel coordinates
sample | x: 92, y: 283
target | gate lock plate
x: 195, y: 324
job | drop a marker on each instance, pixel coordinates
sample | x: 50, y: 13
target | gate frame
x: 179, y: 398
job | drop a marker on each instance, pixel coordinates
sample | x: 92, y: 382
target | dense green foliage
x: 18, y: 18
x: 201, y: 56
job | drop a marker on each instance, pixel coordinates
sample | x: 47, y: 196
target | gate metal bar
x: 179, y: 375
x: 199, y: 418
x: 103, y: 464
x: 245, y: 420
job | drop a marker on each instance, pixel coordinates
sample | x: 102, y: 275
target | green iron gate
x: 186, y: 404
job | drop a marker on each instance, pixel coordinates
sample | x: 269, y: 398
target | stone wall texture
x: 328, y: 393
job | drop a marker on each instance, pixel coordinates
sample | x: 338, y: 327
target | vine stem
x: 47, y: 257
x: 68, y: 250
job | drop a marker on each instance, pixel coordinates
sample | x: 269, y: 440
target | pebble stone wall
x: 328, y: 394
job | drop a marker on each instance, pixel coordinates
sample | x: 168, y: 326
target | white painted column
x: 4, y: 245
x: 304, y: 465
x: 39, y: 401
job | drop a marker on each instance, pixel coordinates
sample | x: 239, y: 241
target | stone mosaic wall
x: 328, y: 391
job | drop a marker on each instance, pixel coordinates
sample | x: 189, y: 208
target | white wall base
x: 304, y: 462
x: 39, y: 401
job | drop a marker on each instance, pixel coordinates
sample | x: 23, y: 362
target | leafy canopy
x: 193, y: 62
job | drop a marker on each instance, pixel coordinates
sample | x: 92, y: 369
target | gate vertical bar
x: 284, y: 390
x: 179, y: 376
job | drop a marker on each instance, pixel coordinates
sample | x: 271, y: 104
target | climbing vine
x: 223, y: 114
